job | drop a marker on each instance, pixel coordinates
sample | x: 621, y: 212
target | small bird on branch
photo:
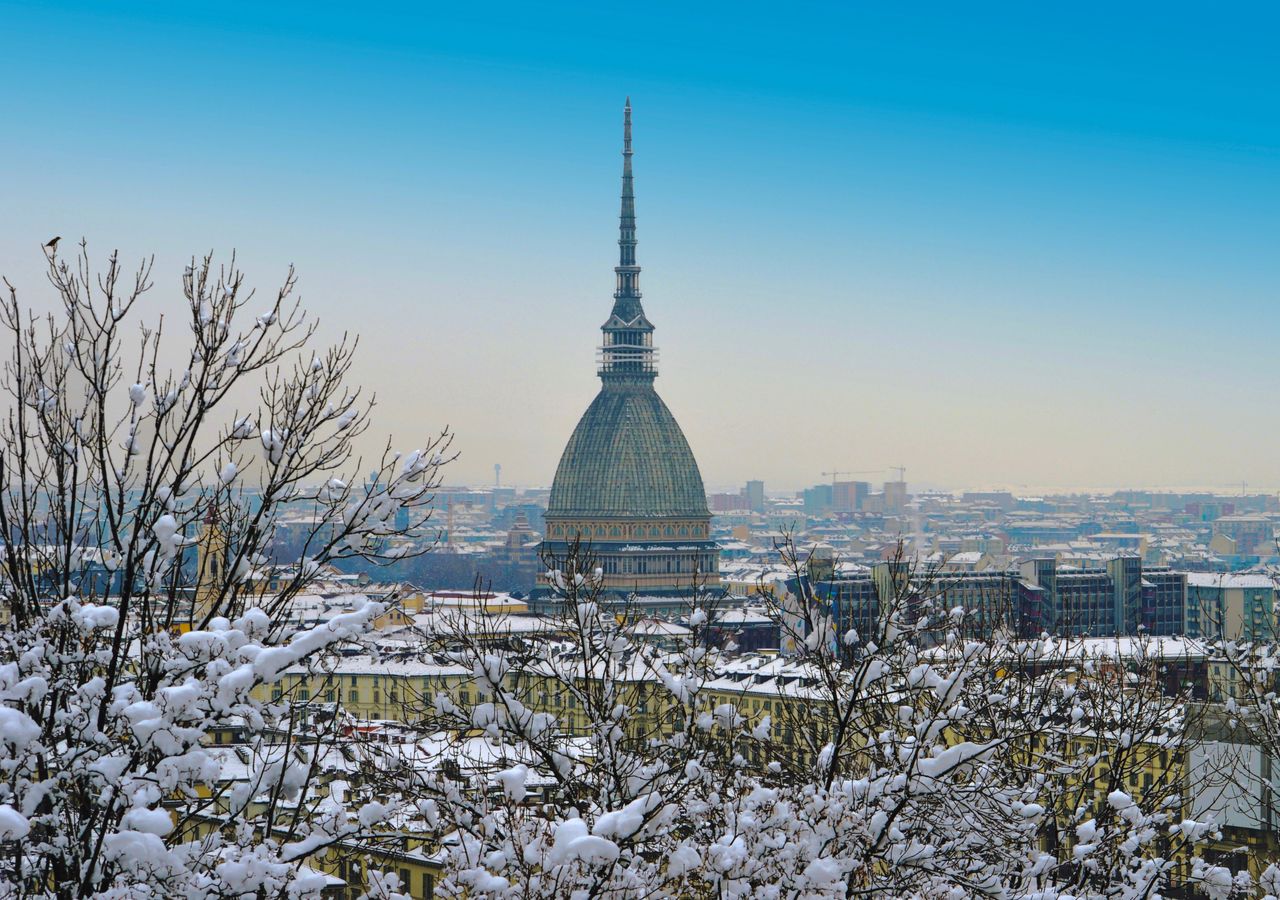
x: 52, y: 246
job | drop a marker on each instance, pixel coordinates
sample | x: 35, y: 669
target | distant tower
x: 627, y: 483
x: 211, y: 556
x: 497, y: 474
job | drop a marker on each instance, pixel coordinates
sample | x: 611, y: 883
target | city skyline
x: 818, y: 450
x: 1053, y: 280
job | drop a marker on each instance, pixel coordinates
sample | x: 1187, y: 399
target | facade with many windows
x: 1120, y: 598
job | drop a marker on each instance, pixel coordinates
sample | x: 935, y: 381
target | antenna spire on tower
x: 628, y: 352
x: 628, y: 285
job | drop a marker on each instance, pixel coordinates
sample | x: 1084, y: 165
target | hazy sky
x: 1036, y: 246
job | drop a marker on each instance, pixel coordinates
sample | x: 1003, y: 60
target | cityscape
x: 269, y: 628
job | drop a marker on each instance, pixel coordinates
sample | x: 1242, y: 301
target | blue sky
x: 1012, y: 245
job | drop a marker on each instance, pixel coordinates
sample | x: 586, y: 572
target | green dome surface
x: 628, y: 457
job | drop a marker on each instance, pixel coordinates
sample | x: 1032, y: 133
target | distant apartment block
x: 1119, y: 598
x: 749, y: 499
x: 1231, y: 606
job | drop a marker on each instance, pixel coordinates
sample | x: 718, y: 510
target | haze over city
x: 1031, y: 249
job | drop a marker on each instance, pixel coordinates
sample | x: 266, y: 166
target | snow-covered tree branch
x: 144, y: 469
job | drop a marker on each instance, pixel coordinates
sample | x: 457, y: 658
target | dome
x: 628, y: 457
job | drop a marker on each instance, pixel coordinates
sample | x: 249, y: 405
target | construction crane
x: 838, y: 472
x: 901, y: 470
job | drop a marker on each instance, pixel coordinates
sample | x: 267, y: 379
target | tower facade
x: 211, y: 555
x: 627, y: 487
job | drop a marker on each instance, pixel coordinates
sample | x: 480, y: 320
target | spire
x: 628, y: 271
x: 628, y: 336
